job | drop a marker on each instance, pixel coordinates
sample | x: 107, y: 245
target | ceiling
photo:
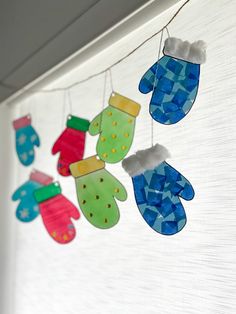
x: 37, y: 35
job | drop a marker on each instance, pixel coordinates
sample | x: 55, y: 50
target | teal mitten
x: 28, y: 209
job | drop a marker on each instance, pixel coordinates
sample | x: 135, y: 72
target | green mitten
x: 116, y: 125
x: 96, y: 192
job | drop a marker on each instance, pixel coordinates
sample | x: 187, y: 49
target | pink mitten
x: 71, y: 144
x: 56, y: 212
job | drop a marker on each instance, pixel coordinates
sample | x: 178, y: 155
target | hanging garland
x: 158, y: 187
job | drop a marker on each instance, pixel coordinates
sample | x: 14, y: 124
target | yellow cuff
x: 83, y: 167
x: 124, y: 104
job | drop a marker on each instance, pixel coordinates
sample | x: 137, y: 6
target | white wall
x: 130, y: 268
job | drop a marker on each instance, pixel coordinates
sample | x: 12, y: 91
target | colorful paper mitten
x: 96, y: 192
x: 56, y: 212
x: 115, y: 126
x: 26, y: 139
x: 28, y: 209
x: 71, y: 144
x: 158, y: 188
x: 174, y: 80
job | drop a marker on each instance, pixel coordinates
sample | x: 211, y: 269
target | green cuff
x: 77, y: 123
x: 47, y: 192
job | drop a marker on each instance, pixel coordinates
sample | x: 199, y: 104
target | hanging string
x: 63, y: 110
x: 155, y: 84
x: 62, y: 123
x: 70, y: 101
x: 111, y: 81
x: 168, y: 33
x: 103, y: 100
x: 104, y: 91
x: 31, y: 91
x: 158, y: 57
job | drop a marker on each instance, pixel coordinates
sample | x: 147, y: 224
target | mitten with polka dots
x: 56, y: 211
x: 97, y: 190
x: 28, y: 208
x: 115, y: 126
x: 71, y: 144
x: 26, y: 139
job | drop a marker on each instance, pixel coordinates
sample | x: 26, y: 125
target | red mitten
x: 71, y: 144
x: 56, y: 212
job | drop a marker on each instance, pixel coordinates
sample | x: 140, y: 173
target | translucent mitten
x: 96, y: 191
x: 174, y: 80
x: 56, y: 212
x: 71, y: 144
x: 158, y: 188
x: 28, y: 209
x: 26, y: 139
x: 115, y: 126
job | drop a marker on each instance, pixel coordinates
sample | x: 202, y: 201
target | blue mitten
x: 26, y: 138
x: 28, y: 209
x: 174, y: 80
x: 158, y: 188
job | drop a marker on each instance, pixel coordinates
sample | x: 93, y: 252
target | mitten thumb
x: 95, y: 125
x: 34, y: 138
x: 56, y: 147
x: 73, y: 211
x: 118, y: 190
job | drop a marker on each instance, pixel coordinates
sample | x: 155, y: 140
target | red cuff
x: 22, y: 122
x: 40, y: 177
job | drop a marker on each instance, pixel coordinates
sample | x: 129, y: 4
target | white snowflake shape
x: 24, y: 213
x: 21, y: 139
x: 33, y: 138
x: 24, y: 156
x: 23, y: 193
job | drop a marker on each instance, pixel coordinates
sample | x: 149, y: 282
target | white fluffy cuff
x: 132, y: 166
x: 146, y: 159
x: 177, y: 48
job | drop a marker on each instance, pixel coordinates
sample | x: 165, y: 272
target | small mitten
x: 71, y: 144
x: 26, y: 139
x: 56, y: 212
x: 115, y: 126
x: 158, y: 188
x: 28, y: 209
x: 174, y: 80
x: 96, y: 192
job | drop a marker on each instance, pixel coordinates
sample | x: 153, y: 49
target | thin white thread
x: 63, y: 110
x: 111, y: 80
x: 62, y: 120
x: 158, y: 57
x: 154, y: 85
x: 168, y: 33
x: 104, y: 90
x: 103, y: 99
x: 152, y: 132
x: 70, y: 101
